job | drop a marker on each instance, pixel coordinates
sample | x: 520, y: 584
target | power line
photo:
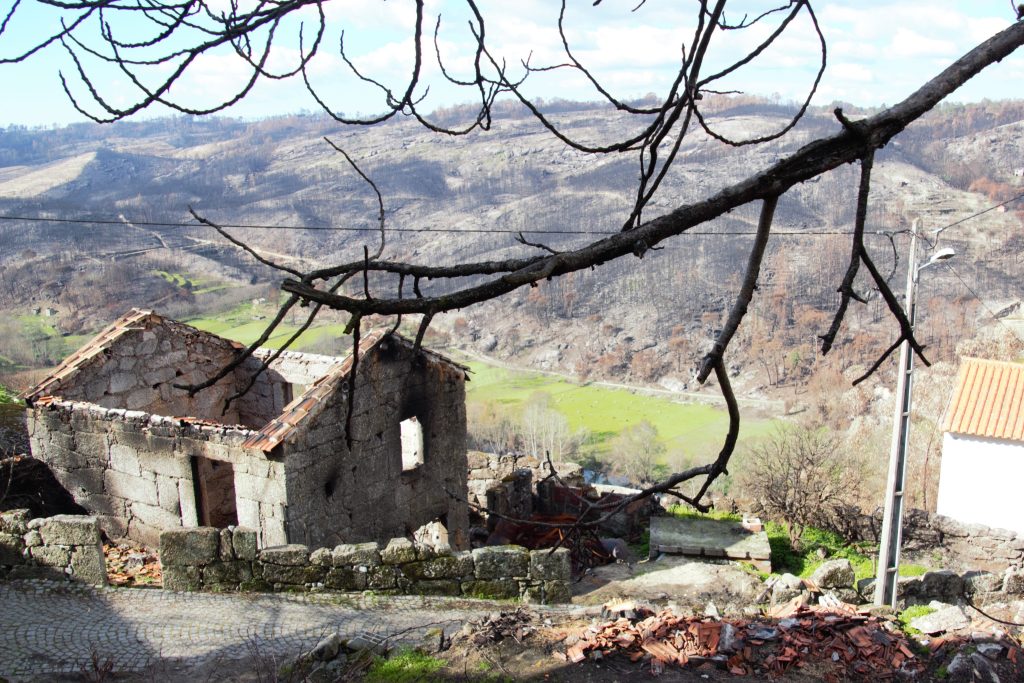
x: 980, y: 213
x: 982, y: 302
x: 498, y: 231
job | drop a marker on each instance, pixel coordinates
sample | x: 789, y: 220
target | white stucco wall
x: 982, y: 481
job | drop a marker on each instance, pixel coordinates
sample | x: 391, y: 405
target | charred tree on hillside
x: 185, y: 33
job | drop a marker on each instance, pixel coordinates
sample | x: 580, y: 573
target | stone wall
x: 228, y: 560
x: 489, y: 470
x: 133, y: 470
x: 348, y: 493
x: 961, y: 545
x: 59, y: 547
x: 137, y: 373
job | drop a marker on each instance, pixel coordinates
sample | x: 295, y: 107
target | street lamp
x: 892, y: 516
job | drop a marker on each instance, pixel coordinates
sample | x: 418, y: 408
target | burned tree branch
x: 857, y: 248
x: 746, y: 293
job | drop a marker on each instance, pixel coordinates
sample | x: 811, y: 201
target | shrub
x: 801, y: 476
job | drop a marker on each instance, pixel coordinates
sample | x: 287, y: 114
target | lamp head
x: 941, y: 255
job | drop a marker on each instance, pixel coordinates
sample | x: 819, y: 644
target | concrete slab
x: 710, y: 538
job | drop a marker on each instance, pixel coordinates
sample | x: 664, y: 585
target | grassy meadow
x: 694, y: 429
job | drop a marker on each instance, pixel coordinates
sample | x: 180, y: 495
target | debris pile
x: 498, y: 626
x: 129, y: 564
x: 557, y: 531
x: 843, y: 639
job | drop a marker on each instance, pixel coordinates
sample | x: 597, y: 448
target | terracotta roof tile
x: 310, y: 402
x: 988, y: 400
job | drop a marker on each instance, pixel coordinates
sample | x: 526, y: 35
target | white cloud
x: 908, y: 43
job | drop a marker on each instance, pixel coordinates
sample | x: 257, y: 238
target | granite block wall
x: 342, y: 495
x: 133, y: 470
x: 59, y: 547
x: 228, y: 560
x: 139, y: 371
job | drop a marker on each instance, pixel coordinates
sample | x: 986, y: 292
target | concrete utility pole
x: 892, y: 517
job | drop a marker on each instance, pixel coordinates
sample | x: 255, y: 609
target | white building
x: 982, y: 476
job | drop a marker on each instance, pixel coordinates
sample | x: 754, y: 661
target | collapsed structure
x: 290, y: 458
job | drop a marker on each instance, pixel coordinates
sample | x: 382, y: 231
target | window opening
x: 412, y: 444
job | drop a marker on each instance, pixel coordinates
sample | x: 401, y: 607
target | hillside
x: 466, y: 198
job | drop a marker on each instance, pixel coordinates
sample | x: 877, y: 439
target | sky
x: 879, y: 52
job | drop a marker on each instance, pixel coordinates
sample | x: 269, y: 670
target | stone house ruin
x: 146, y: 457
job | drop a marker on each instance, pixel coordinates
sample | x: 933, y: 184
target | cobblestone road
x: 52, y: 628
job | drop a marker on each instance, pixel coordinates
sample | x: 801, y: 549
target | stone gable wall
x: 337, y: 495
x: 138, y: 370
x: 228, y: 560
x: 133, y: 470
x: 59, y: 547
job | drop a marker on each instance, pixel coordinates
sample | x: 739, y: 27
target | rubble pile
x: 498, y: 626
x: 844, y: 640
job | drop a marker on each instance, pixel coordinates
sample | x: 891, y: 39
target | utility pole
x: 892, y: 516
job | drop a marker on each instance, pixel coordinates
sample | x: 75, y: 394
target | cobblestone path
x: 53, y: 628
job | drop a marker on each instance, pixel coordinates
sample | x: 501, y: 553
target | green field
x: 241, y: 325
x: 695, y: 429
x: 198, y: 285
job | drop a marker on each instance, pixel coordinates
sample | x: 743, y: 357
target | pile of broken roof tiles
x: 845, y: 641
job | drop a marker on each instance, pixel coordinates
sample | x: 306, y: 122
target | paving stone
x: 50, y: 630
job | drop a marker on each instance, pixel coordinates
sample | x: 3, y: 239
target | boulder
x: 291, y: 555
x: 943, y: 585
x: 834, y: 574
x: 243, y: 543
x: 551, y: 566
x: 944, y: 619
x: 356, y: 555
x: 398, y: 551
x: 786, y: 588
x: 1013, y: 581
x: 70, y: 530
x: 14, y: 521
x: 976, y: 582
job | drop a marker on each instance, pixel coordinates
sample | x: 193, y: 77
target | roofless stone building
x: 146, y: 457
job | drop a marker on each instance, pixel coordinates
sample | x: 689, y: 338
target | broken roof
x: 305, y: 406
x: 135, y: 319
x: 312, y: 401
x: 988, y: 400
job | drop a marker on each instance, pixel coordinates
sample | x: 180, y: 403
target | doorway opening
x: 214, y: 483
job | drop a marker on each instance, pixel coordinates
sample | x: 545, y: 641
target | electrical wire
x: 982, y: 302
x: 497, y: 231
